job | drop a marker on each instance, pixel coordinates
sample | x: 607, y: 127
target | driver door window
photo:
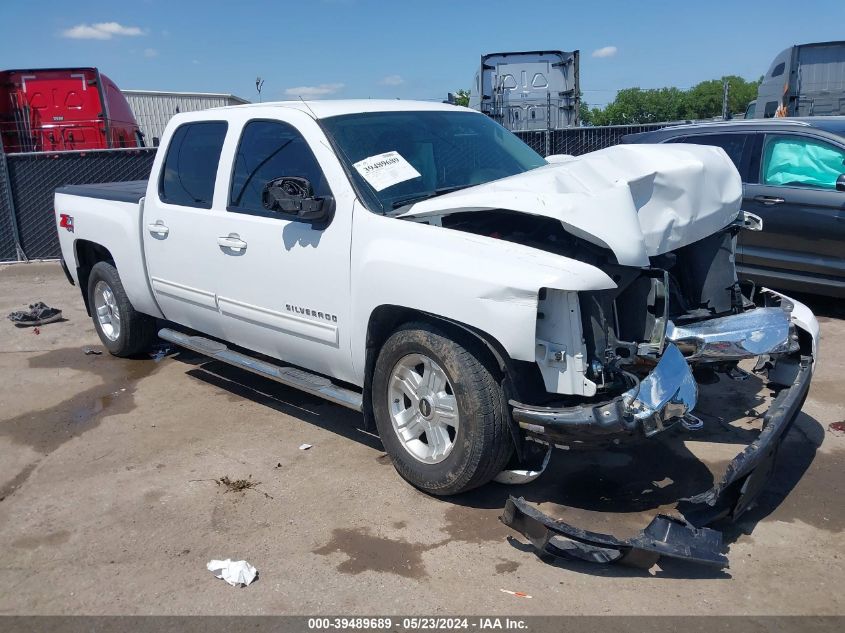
x: 793, y: 161
x: 269, y: 150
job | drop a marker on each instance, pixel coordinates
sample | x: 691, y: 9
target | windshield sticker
x: 385, y: 170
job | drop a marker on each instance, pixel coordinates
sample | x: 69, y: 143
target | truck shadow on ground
x: 242, y: 384
x: 613, y: 491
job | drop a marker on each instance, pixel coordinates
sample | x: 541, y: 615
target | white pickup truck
x: 419, y: 263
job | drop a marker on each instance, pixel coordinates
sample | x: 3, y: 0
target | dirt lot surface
x: 108, y: 500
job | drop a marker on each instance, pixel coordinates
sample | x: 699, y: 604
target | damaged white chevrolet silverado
x: 419, y: 263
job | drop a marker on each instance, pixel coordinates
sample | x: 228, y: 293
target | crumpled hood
x: 637, y: 200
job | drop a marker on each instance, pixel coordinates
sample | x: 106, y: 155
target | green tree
x: 635, y: 105
x: 462, y: 97
x: 585, y: 115
x: 705, y: 98
x: 702, y: 101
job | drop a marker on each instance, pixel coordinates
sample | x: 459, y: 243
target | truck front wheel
x: 440, y: 411
x: 123, y: 330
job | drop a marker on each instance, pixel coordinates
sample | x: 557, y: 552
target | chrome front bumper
x: 746, y: 335
x: 667, y: 394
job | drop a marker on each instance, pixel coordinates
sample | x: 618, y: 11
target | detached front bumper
x: 664, y: 536
x: 746, y: 476
x: 688, y: 538
x: 748, y: 472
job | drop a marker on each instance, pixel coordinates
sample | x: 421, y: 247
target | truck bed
x: 129, y: 191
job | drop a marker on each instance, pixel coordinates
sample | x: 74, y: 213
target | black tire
x: 137, y: 331
x: 482, y: 444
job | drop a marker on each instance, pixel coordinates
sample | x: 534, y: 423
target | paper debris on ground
x: 235, y: 572
x: 518, y: 594
x: 304, y: 447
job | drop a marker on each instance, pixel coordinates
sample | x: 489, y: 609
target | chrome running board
x: 313, y: 384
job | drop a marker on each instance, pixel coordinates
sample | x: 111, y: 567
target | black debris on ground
x: 39, y: 313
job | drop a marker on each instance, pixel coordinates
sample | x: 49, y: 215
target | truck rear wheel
x: 123, y: 330
x: 440, y: 411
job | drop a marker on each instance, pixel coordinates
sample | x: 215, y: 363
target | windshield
x: 397, y: 158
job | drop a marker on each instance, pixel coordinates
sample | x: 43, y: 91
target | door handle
x: 232, y: 242
x: 159, y: 228
x: 769, y: 200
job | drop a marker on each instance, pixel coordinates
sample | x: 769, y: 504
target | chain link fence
x: 538, y: 141
x: 27, y: 184
x: 9, y: 249
x: 580, y: 140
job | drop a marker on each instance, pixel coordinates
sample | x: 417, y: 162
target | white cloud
x: 314, y: 92
x: 392, y: 80
x: 605, y: 51
x: 100, y: 31
x: 150, y: 52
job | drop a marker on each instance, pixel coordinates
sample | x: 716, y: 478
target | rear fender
x: 116, y: 227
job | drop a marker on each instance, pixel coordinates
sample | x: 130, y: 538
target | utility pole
x: 726, y: 87
x: 259, y: 84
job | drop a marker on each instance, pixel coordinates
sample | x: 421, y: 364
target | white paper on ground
x: 235, y: 572
x: 304, y: 447
x: 385, y: 170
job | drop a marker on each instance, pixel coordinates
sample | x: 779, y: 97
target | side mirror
x: 840, y: 183
x: 295, y: 196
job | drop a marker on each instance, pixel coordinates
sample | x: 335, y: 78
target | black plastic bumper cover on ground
x: 748, y: 472
x: 689, y: 539
x: 664, y: 536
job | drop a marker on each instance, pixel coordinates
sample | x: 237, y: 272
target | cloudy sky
x: 408, y: 49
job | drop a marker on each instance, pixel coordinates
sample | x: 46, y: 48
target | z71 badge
x: 66, y: 222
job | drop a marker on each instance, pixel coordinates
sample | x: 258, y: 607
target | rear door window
x: 796, y: 161
x: 190, y: 167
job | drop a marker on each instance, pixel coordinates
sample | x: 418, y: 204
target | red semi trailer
x: 57, y: 109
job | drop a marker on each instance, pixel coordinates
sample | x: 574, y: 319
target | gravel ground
x: 109, y: 505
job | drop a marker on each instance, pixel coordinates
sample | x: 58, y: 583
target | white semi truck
x: 803, y: 80
x: 528, y: 90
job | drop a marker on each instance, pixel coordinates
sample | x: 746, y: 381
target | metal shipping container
x: 154, y: 108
